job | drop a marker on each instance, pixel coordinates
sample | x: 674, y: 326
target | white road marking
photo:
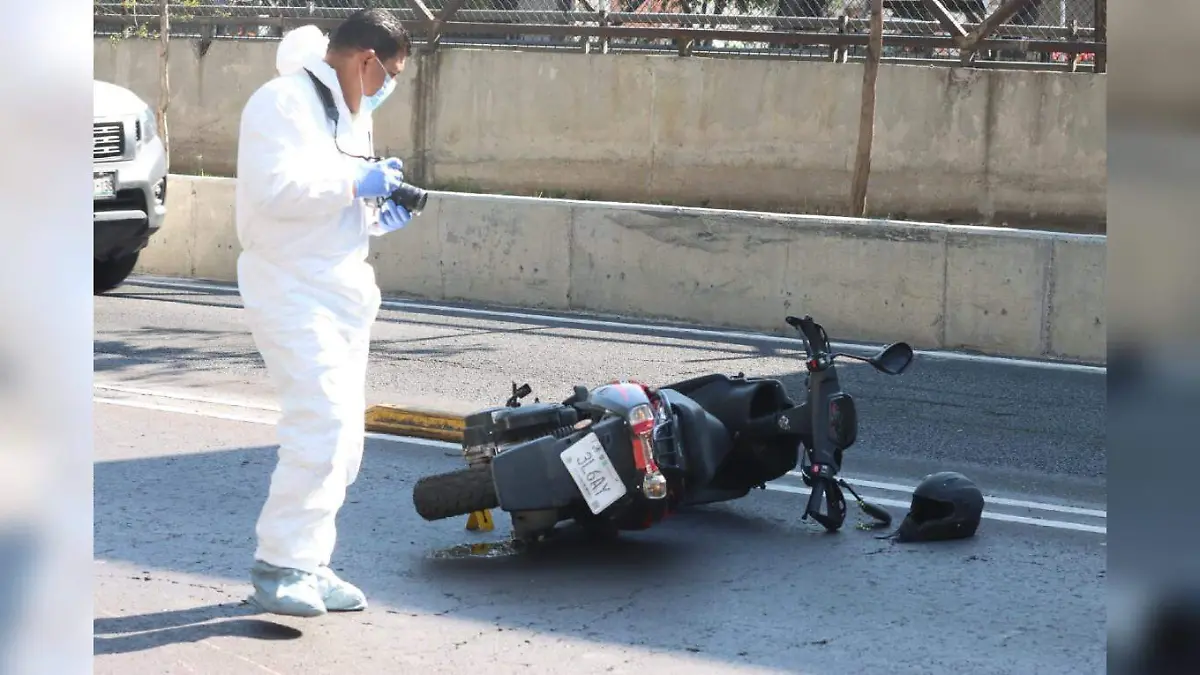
x: 1039, y: 506
x: 268, y: 416
x: 185, y: 411
x: 401, y: 305
x: 989, y: 515
x: 158, y: 393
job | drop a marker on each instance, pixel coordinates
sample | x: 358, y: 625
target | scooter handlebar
x: 816, y: 342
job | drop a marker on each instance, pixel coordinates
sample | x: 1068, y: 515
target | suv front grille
x: 108, y: 140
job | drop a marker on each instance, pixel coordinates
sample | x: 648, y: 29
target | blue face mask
x: 370, y: 103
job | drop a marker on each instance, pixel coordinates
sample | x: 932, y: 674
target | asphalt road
x: 184, y: 451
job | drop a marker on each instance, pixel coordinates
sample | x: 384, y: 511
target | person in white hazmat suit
x: 309, y: 197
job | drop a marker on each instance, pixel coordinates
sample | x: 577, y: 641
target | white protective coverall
x: 309, y: 295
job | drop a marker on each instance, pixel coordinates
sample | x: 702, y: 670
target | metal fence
x: 1040, y: 34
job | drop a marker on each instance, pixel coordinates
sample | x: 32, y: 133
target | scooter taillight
x: 641, y: 422
x: 643, y: 455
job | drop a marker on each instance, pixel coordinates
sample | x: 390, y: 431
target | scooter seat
x: 706, y: 442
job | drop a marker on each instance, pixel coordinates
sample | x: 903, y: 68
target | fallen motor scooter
x: 624, y: 455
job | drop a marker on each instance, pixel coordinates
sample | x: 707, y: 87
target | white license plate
x: 104, y: 185
x: 593, y: 473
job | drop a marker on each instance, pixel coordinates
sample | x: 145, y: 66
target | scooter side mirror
x: 894, y: 358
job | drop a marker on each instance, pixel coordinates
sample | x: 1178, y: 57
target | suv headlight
x: 146, y: 126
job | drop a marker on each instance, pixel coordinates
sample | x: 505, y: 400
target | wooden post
x: 1101, y: 35
x: 164, y: 80
x: 866, y: 122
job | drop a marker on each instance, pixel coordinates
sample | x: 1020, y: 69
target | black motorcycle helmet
x: 946, y: 505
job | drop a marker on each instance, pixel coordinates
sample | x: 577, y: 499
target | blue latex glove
x: 395, y: 163
x: 378, y: 179
x: 393, y: 217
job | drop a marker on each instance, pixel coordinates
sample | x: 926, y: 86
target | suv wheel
x: 108, y: 274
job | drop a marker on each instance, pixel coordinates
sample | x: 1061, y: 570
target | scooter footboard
x: 532, y: 476
x: 735, y: 401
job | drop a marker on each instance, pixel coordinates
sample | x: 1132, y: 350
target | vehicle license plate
x: 104, y: 185
x: 593, y: 473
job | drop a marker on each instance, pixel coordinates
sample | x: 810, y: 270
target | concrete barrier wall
x: 956, y: 145
x: 997, y: 291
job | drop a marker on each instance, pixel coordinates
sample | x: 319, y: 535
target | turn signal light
x: 654, y: 485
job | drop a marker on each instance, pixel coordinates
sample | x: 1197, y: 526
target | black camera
x: 410, y: 197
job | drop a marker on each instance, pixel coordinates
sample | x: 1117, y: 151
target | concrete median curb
x: 415, y: 422
x: 995, y: 291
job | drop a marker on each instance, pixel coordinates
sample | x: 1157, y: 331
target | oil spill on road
x: 487, y: 549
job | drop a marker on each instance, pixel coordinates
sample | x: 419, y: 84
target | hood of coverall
x: 300, y: 48
x: 306, y: 47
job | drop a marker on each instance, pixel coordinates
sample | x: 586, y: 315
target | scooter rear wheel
x: 457, y: 493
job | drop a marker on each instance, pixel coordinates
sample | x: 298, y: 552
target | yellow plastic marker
x: 480, y: 521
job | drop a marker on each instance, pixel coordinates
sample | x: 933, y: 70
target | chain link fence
x: 1044, y: 34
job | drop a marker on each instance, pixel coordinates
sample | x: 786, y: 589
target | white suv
x: 129, y: 167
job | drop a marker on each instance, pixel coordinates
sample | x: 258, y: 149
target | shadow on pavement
x: 467, y: 322
x: 189, y: 351
x: 194, y: 513
x: 122, y: 635
x: 745, y: 583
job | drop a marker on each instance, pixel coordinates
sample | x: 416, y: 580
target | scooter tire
x: 457, y: 493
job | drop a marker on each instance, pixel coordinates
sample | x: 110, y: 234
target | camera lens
x: 410, y: 197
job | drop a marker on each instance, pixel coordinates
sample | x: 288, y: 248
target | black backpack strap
x: 326, y: 96
x: 331, y: 111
